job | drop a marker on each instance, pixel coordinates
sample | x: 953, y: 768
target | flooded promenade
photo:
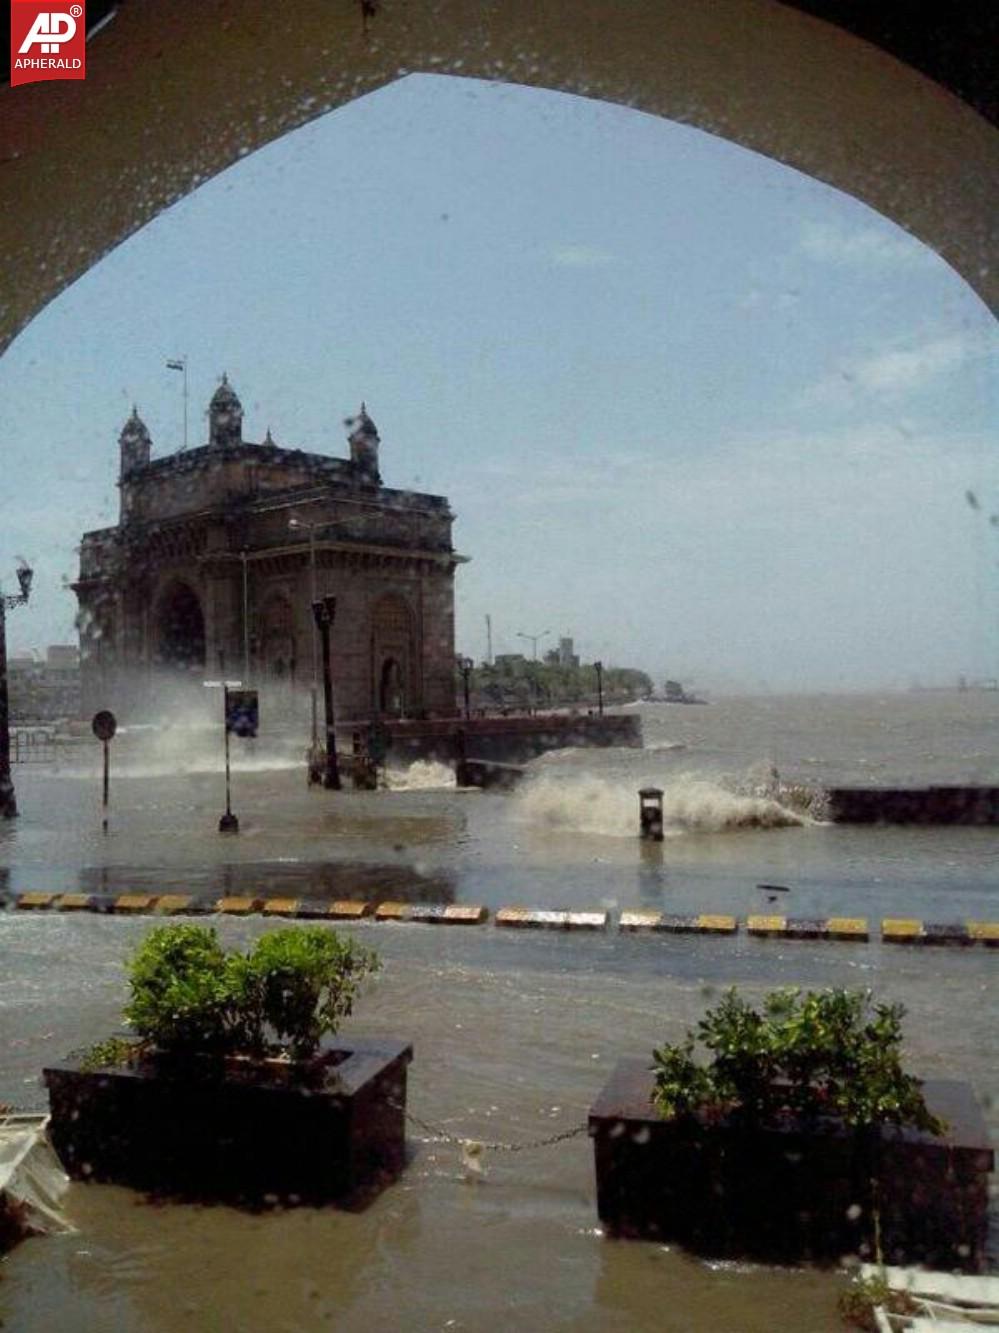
x: 513, y: 1034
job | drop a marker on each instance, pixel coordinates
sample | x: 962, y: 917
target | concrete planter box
x: 331, y: 1130
x: 796, y: 1191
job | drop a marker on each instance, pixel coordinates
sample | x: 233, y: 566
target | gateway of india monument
x: 216, y: 559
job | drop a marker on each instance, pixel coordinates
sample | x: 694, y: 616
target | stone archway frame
x: 174, y: 94
x: 393, y: 639
x: 271, y: 633
x: 167, y: 588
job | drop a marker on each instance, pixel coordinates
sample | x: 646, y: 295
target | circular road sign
x: 104, y: 725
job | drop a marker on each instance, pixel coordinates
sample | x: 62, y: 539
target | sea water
x: 513, y: 1034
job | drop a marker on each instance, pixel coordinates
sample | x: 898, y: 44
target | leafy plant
x: 189, y: 996
x: 857, y: 1306
x: 183, y: 995
x: 301, y: 983
x: 111, y: 1053
x: 814, y: 1053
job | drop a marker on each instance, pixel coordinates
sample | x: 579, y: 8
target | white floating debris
x: 32, y: 1182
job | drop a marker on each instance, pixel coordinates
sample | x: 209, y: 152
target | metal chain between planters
x: 440, y: 1135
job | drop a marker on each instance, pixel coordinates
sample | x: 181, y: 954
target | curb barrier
x: 133, y: 903
x: 894, y: 930
x: 986, y: 932
x: 280, y: 907
x: 766, y: 925
x: 704, y: 924
x: 78, y: 902
x: 172, y: 904
x: 239, y: 906
x: 848, y: 928
x: 901, y: 930
x: 348, y: 911
x: 33, y: 902
x: 528, y: 918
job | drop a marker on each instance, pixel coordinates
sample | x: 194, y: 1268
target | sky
x: 703, y: 413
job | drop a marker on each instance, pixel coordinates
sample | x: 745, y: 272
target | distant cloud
x: 894, y: 371
x: 833, y: 243
x: 908, y: 368
x: 582, y: 256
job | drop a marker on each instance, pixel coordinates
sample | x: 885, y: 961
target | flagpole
x: 180, y: 363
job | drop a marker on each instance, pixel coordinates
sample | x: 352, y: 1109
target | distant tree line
x: 522, y: 684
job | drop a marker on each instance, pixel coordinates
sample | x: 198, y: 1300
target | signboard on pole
x: 242, y: 714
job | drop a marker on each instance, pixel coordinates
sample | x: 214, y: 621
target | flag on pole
x: 175, y: 365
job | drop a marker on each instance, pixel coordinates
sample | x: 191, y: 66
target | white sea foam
x: 691, y: 804
x: 422, y: 775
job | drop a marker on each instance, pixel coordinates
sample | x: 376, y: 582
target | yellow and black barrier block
x: 133, y: 904
x: 946, y: 932
x: 312, y: 909
x: 430, y: 913
x: 36, y: 902
x: 642, y: 918
x: 766, y: 925
x: 536, y: 918
x: 848, y: 928
x: 392, y: 911
x: 238, y: 906
x: 174, y: 904
x: 448, y: 914
x: 347, y: 909
x: 806, y: 928
x: 902, y: 930
x: 714, y: 923
x: 280, y: 907
x: 680, y: 925
x: 79, y: 902
x: 465, y: 914
x: 984, y: 932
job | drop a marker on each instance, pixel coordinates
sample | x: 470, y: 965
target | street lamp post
x: 534, y: 640
x: 598, y: 667
x: 465, y: 665
x: 246, y: 622
x: 296, y: 524
x: 324, y: 611
x: 8, y: 801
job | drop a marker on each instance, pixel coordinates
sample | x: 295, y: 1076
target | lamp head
x: 24, y: 576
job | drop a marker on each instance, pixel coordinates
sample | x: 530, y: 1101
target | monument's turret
x: 225, y: 417
x: 134, y: 444
x: 364, y: 442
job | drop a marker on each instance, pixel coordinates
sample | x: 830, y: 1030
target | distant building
x: 512, y: 664
x: 45, y: 690
x: 219, y: 550
x: 566, y: 655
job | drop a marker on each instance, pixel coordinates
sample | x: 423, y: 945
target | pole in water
x: 650, y: 808
x: 104, y: 725
x: 324, y: 613
x: 228, y: 823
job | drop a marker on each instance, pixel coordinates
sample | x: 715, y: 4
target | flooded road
x: 513, y: 1034
x: 513, y: 1037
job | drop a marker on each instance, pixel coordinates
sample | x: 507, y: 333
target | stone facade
x: 218, y: 554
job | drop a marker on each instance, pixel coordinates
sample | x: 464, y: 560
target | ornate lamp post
x: 8, y: 802
x: 465, y: 665
x: 324, y: 612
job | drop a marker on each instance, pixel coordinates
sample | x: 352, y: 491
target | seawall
x: 914, y: 805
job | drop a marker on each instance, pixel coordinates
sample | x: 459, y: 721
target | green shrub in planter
x: 300, y: 983
x: 188, y: 996
x: 184, y: 993
x: 829, y: 1053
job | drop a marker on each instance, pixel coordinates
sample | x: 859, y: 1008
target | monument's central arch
x: 176, y: 93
